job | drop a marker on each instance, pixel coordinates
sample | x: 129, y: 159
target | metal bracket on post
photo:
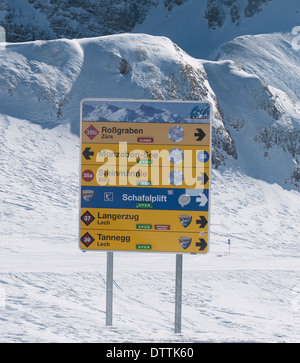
x: 109, y: 288
x: 178, y: 293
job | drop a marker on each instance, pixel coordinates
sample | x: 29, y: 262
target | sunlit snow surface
x: 51, y: 291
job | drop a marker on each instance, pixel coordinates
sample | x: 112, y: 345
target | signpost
x: 145, y: 179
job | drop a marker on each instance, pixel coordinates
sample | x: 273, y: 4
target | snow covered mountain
x: 249, y: 98
x: 195, y: 26
x: 255, y: 125
x: 240, y: 59
x: 199, y: 27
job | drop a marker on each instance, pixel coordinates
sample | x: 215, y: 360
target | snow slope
x: 269, y: 56
x: 262, y: 120
x: 51, y: 291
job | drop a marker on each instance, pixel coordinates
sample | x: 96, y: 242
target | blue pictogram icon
x: 203, y: 156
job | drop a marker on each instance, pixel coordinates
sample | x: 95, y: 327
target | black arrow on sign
x: 87, y: 153
x: 200, y: 134
x: 203, y: 178
x: 202, y: 221
x: 202, y: 244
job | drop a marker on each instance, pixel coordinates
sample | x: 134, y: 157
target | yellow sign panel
x: 128, y: 154
x: 141, y: 133
x: 151, y: 220
x: 143, y: 240
x: 145, y: 175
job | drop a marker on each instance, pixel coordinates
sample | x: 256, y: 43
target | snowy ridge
x: 263, y: 121
x: 250, y: 116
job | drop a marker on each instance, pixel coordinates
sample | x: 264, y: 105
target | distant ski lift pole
x: 229, y: 242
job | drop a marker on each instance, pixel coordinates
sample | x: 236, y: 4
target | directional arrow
x: 202, y: 200
x: 202, y: 221
x: 202, y: 244
x: 87, y: 153
x: 203, y: 178
x: 200, y: 134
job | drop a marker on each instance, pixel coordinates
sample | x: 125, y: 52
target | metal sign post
x: 109, y: 287
x: 178, y: 293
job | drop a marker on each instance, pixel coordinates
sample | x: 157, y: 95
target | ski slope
x: 50, y: 291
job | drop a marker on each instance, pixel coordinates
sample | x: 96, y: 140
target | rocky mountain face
x: 217, y: 11
x: 52, y: 19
